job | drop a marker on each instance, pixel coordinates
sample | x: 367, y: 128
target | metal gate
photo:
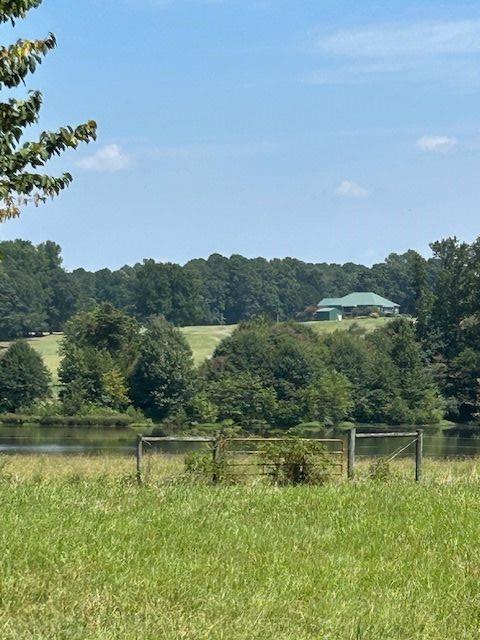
x: 246, y: 456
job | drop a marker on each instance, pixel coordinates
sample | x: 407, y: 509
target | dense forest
x: 119, y: 324
x: 37, y: 294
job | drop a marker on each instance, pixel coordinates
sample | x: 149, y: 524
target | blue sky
x: 328, y: 130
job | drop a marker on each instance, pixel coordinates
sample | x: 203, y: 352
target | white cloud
x: 454, y: 71
x: 421, y: 38
x: 349, y: 189
x: 110, y: 158
x: 436, y: 144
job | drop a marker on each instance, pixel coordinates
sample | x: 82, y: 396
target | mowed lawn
x: 202, y: 340
x: 100, y: 558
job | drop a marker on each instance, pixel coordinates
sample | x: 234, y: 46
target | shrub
x: 202, y: 409
x: 24, y: 379
x: 296, y: 461
x: 18, y: 419
x: 202, y: 466
x: 47, y: 408
x: 114, y: 421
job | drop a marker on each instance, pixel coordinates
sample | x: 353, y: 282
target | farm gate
x: 245, y: 457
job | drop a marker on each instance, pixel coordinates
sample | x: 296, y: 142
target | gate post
x: 351, y: 453
x: 139, y: 457
x: 418, y: 455
x: 216, y: 458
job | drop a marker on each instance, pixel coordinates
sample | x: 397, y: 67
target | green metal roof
x: 330, y: 302
x: 359, y: 299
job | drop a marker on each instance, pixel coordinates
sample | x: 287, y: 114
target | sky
x: 327, y: 130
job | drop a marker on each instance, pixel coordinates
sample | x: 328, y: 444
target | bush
x: 297, y: 461
x: 24, y: 379
x: 47, y: 408
x: 202, y: 466
x: 18, y: 419
x: 202, y: 409
x: 114, y: 421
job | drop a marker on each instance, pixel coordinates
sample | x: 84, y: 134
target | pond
x: 457, y: 441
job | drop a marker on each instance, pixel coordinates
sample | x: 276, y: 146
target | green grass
x: 96, y: 557
x: 202, y: 340
x: 365, y: 324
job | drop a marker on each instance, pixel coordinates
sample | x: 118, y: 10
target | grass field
x: 95, y: 557
x: 202, y: 340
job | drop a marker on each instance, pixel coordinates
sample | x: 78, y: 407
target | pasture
x: 86, y: 553
x: 202, y: 339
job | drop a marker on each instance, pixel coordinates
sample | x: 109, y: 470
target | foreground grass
x: 97, y: 557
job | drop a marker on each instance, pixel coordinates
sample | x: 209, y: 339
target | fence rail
x: 417, y: 441
x: 220, y: 451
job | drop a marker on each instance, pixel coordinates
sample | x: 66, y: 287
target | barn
x: 328, y: 313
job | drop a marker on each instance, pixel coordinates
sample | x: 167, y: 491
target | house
x: 356, y: 304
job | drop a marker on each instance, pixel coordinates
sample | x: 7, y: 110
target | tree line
x: 413, y: 370
x: 37, y: 294
x: 266, y: 374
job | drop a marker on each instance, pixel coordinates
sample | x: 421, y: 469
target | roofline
x: 338, y: 301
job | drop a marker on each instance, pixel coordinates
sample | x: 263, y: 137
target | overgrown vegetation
x: 264, y: 375
x: 295, y: 461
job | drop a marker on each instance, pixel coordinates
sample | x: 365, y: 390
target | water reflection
x: 460, y: 440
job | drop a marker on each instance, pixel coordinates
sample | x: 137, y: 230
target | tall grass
x: 88, y: 554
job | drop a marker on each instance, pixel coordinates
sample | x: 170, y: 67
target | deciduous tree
x: 23, y: 377
x: 162, y: 380
x: 19, y: 181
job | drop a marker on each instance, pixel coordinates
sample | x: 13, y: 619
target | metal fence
x: 359, y: 453
x: 245, y: 456
x: 415, y: 440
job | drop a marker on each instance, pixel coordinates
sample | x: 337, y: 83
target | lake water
x: 459, y: 441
